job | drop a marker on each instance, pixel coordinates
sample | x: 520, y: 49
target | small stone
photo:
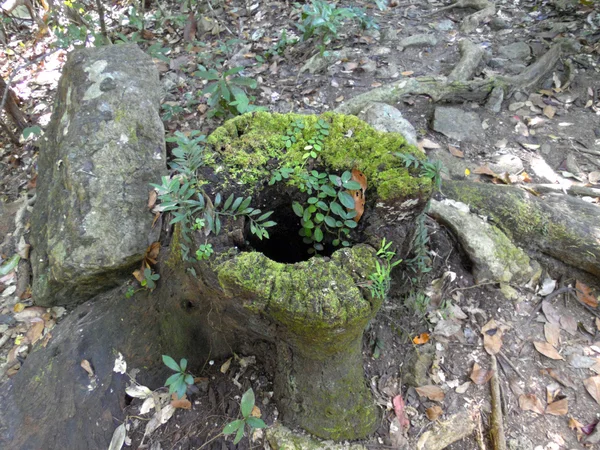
x: 514, y: 106
x: 444, y: 25
x: 457, y: 124
x: 516, y: 51
x: 384, y: 117
x: 418, y: 40
x: 494, y: 102
x: 497, y: 23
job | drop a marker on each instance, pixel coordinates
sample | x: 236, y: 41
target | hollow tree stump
x: 306, y: 314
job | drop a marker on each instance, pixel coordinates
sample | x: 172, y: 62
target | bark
x: 11, y: 106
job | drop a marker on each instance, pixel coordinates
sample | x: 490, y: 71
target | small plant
x: 381, y: 278
x: 315, y: 143
x: 204, y: 252
x: 322, y: 213
x: 239, y: 426
x: 183, y: 196
x: 227, y: 92
x: 179, y: 381
x: 417, y: 302
x: 281, y: 45
x: 428, y: 169
x: 150, y: 278
x: 280, y: 174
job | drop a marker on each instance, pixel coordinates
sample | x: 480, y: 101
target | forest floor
x: 549, y: 135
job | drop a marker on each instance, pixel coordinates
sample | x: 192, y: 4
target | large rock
x: 105, y: 143
x: 457, y: 124
x: 384, y: 117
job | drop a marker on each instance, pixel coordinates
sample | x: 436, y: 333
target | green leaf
x: 232, y: 427
x: 228, y: 202
x: 189, y: 379
x: 183, y: 364
x: 247, y: 402
x: 350, y: 223
x: 328, y: 190
x: 330, y: 221
x: 269, y: 224
x: 233, y: 71
x: 207, y: 75
x: 319, y: 217
x: 217, y: 199
x: 181, y: 389
x: 245, y: 204
x: 318, y: 234
x: 346, y: 176
x: 173, y: 378
x: 336, y: 208
x: 255, y: 422
x: 346, y: 199
x: 322, y: 205
x: 298, y: 210
x: 312, y: 200
x: 336, y: 242
x: 239, y: 435
x: 170, y: 363
x: 264, y: 216
x: 352, y: 185
x: 245, y: 81
x: 28, y: 131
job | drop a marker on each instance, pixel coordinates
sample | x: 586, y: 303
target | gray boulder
x: 384, y: 117
x: 518, y: 51
x: 457, y: 124
x: 105, y: 143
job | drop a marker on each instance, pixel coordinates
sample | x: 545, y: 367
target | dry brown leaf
x: 524, y: 176
x: 148, y: 35
x: 564, y: 380
x: 574, y: 424
x: 359, y: 195
x: 455, y: 152
x: 479, y: 375
x: 225, y: 366
x: 35, y: 331
x: 434, y: 412
x: 18, y: 307
x: 151, y: 255
x: 558, y: 408
x: 547, y: 350
x: 428, y: 144
x: 376, y: 84
x: 152, y: 196
x: 552, y: 315
x: 597, y: 323
x: 139, y: 275
x: 569, y: 324
x: 432, y: 392
x: 584, y: 294
x: 592, y: 384
x: 529, y: 402
x: 407, y: 73
x: 339, y: 99
x: 552, y: 334
x: 492, y: 337
x: 85, y: 364
x: 552, y: 392
x: 256, y: 412
x: 189, y: 31
x: 549, y: 111
x: 181, y: 403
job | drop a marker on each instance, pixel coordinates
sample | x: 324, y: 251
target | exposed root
x: 471, y: 22
x: 471, y: 56
x: 497, y: 421
x: 460, y: 90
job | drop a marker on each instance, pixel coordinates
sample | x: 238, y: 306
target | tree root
x: 471, y: 56
x: 460, y: 90
x: 497, y: 421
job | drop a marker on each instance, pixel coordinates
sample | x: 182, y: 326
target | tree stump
x: 310, y: 312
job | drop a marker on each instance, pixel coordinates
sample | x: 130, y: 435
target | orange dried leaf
x: 492, y: 337
x: 139, y: 275
x: 552, y: 334
x: 152, y: 196
x: 256, y: 412
x: 547, y: 350
x: 479, y: 375
x: 584, y: 294
x: 529, y: 402
x: 558, y: 408
x: 35, y: 331
x: 360, y: 178
x: 434, y: 412
x: 151, y: 255
x: 574, y: 424
x: 18, y: 307
x: 432, y: 392
x: 181, y: 403
x: 423, y: 338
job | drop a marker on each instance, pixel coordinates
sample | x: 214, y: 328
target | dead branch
x: 497, y: 420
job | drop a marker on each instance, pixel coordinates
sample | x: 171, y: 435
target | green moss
x: 310, y: 299
x: 248, y: 144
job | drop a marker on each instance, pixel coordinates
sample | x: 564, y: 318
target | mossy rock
x: 249, y: 147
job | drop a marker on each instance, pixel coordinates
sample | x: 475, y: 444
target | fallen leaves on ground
x: 547, y: 350
x: 359, y: 196
x: 434, y: 412
x: 423, y: 338
x: 480, y: 375
x: 529, y: 402
x: 492, y: 336
x: 85, y: 364
x: 455, y: 152
x: 552, y: 334
x: 180, y: 403
x: 432, y: 392
x: 584, y: 294
x: 558, y: 408
x: 592, y: 385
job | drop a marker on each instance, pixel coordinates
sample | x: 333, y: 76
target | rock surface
x: 494, y: 257
x: 418, y: 40
x: 91, y: 224
x: 518, y: 51
x: 457, y: 124
x: 384, y: 117
x: 282, y: 438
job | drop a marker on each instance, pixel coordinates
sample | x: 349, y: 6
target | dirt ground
x: 557, y: 145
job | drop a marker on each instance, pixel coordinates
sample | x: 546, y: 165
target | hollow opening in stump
x: 284, y: 245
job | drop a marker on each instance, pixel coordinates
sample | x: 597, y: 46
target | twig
x: 509, y: 362
x: 479, y: 434
x: 591, y: 310
x: 217, y: 20
x: 497, y: 421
